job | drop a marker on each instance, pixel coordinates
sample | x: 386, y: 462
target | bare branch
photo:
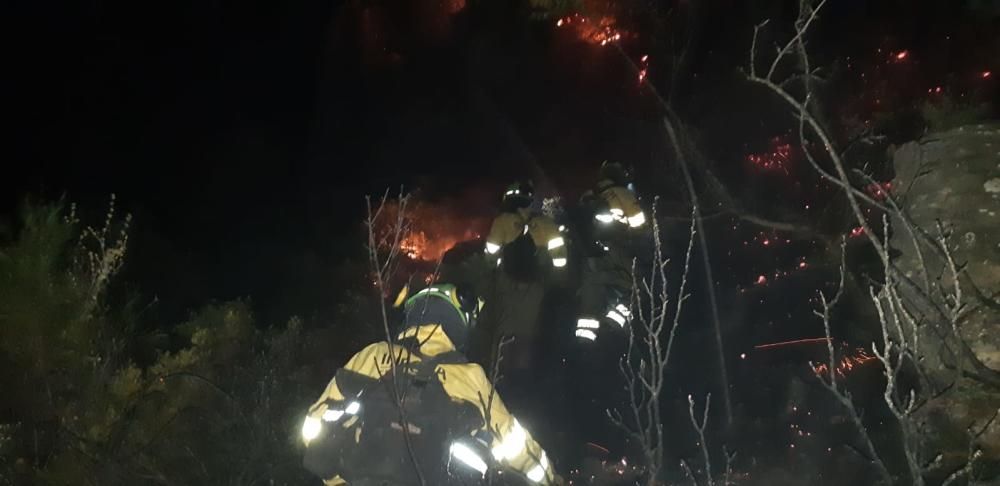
x: 699, y: 427
x: 382, y: 268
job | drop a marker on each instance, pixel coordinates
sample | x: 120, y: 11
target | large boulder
x: 953, y: 178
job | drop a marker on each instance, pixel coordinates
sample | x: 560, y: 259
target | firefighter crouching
x: 457, y: 430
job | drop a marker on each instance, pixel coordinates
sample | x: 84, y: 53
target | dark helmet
x: 455, y: 309
x: 616, y: 173
x: 519, y: 195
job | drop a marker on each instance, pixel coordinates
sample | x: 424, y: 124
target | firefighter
x: 527, y: 252
x: 516, y: 220
x: 616, y: 230
x: 457, y: 430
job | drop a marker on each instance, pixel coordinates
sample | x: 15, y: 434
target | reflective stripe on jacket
x: 512, y: 445
x: 623, y: 204
x: 543, y: 231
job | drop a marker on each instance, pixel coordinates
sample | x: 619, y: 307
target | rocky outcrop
x: 952, y: 178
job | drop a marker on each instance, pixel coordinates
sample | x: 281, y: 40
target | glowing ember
x: 761, y: 280
x: 846, y: 364
x: 986, y: 74
x: 792, y: 343
x: 857, y: 232
x: 879, y: 191
x: 602, y: 32
x: 778, y: 157
x: 902, y: 55
x: 643, y: 68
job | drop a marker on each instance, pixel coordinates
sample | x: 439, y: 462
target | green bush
x: 221, y: 408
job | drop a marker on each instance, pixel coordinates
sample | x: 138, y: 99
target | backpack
x: 365, y: 444
x: 521, y: 257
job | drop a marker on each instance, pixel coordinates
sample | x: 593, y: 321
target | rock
x: 953, y: 178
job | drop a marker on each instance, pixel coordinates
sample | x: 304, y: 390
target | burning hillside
x: 429, y: 230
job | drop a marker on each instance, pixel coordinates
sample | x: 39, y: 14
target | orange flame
x: 602, y: 31
x: 846, y: 364
x: 429, y: 230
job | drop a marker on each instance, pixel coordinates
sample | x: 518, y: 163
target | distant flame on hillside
x: 429, y: 230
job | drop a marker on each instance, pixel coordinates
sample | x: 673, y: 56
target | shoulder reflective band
x: 492, y: 248
x: 352, y: 408
x: 556, y: 242
x: 615, y: 316
x: 467, y: 456
x: 587, y: 323
x: 562, y: 228
x: 617, y: 213
x: 604, y: 217
x: 559, y: 262
x: 537, y: 474
x: 586, y: 334
x: 623, y: 310
x: 512, y: 444
x: 332, y: 415
x: 311, y: 429
x: 637, y: 220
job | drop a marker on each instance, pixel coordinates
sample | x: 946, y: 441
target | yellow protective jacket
x: 507, y: 227
x: 624, y: 205
x: 512, y: 445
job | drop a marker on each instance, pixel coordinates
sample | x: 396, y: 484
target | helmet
x: 519, y: 194
x: 615, y: 172
x: 455, y: 309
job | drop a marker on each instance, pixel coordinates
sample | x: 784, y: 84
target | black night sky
x: 244, y: 135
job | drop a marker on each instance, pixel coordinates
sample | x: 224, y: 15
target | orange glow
x: 792, y: 343
x: 602, y: 32
x: 454, y: 6
x: 902, y: 55
x: 987, y: 74
x: 430, y: 230
x: 778, y: 157
x: 846, y: 364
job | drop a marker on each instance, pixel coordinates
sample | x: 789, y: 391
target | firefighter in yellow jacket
x: 617, y: 232
x: 527, y: 252
x: 516, y: 220
x: 456, y: 427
